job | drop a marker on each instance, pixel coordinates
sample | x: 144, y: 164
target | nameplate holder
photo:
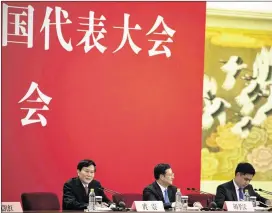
x: 239, y: 206
x: 148, y: 206
x: 11, y: 207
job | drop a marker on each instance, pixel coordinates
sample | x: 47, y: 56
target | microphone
x: 109, y: 190
x: 121, y: 205
x: 264, y: 191
x: 258, y: 202
x: 202, y: 192
x: 211, y: 205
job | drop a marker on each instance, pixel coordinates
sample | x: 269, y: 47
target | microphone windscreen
x: 122, y: 204
x: 213, y: 205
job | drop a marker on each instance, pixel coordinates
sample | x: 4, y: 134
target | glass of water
x: 98, y: 201
x: 184, y: 202
x: 253, y: 199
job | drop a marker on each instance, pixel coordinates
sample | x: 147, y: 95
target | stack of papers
x: 99, y: 209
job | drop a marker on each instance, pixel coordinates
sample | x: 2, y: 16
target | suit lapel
x: 158, y: 191
x: 233, y: 191
x: 170, y: 194
x: 92, y: 185
x: 80, y: 187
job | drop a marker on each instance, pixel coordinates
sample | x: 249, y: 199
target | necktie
x: 166, y: 198
x: 86, y: 189
x: 241, y: 194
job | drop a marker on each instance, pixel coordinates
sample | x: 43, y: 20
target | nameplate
x: 148, y: 206
x: 11, y: 207
x: 239, y: 206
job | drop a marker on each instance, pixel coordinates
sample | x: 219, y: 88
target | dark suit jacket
x: 227, y: 192
x: 74, y: 195
x: 153, y: 192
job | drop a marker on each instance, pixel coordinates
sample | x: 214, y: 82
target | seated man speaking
x: 161, y: 189
x: 76, y: 190
x: 234, y: 189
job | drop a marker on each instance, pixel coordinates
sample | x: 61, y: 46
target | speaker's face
x: 86, y: 175
x: 243, y: 179
x: 168, y: 177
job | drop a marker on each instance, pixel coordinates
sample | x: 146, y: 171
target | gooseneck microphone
x: 264, y: 191
x: 211, y: 205
x: 121, y: 205
x: 202, y: 192
x: 109, y: 190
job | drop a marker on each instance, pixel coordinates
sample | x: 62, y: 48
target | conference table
x: 135, y: 211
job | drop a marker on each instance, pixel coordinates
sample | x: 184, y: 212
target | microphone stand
x: 211, y: 205
x: 266, y: 192
x: 110, y: 191
x: 121, y: 206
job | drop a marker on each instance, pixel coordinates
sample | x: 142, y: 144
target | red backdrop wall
x: 125, y: 111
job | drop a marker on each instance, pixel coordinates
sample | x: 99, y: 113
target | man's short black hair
x: 160, y: 169
x: 85, y: 163
x: 245, y: 168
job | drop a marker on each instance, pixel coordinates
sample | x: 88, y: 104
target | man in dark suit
x: 162, y: 189
x: 234, y: 189
x: 76, y: 190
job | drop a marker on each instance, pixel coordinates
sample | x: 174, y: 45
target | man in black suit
x: 234, y: 189
x: 162, y: 189
x: 76, y: 190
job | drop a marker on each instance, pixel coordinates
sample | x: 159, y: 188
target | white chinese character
x: 58, y: 23
x: 166, y: 31
x: 90, y: 32
x: 42, y: 98
x: 126, y: 35
x: 20, y: 28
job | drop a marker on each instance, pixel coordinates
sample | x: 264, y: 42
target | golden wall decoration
x: 222, y: 149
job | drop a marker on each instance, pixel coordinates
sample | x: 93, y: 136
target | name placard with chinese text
x: 239, y: 206
x: 11, y: 207
x: 148, y: 206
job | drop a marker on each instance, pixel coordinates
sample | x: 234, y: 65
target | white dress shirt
x: 162, y: 189
x: 236, y: 189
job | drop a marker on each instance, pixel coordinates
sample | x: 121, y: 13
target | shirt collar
x: 235, y: 185
x: 162, y: 187
x: 85, y: 184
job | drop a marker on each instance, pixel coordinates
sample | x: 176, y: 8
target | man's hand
x: 268, y: 202
x: 104, y: 205
x: 112, y: 206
